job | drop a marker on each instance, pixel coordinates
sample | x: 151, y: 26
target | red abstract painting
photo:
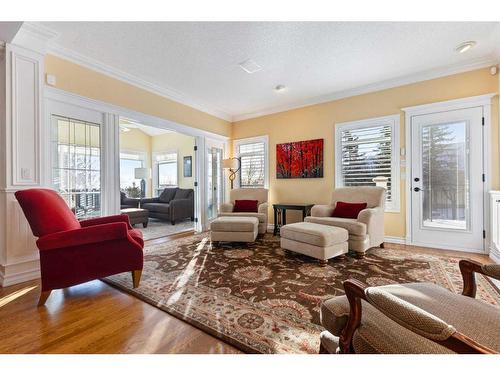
x: 302, y: 159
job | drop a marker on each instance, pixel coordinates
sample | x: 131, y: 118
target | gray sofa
x: 126, y: 202
x: 173, y: 204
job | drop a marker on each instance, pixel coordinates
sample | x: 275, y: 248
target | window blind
x: 252, y: 164
x: 367, y: 153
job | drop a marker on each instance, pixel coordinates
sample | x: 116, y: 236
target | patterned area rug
x: 262, y: 300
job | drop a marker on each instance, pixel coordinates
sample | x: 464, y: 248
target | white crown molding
x: 168, y: 93
x: 400, y: 81
x: 34, y: 36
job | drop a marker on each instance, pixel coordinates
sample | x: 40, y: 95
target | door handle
x: 417, y: 189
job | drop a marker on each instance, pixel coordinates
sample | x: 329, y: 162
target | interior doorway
x: 157, y: 178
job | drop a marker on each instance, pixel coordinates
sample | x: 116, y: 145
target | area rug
x: 262, y: 300
x: 160, y: 228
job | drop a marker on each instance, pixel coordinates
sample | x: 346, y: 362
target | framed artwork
x: 188, y: 166
x: 302, y: 159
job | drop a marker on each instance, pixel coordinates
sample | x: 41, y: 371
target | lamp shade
x: 230, y: 163
x: 141, y: 173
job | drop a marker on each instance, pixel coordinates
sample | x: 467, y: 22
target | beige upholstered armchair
x: 368, y: 229
x: 259, y: 194
x: 412, y: 318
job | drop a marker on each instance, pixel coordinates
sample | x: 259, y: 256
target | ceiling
x: 197, y: 62
x: 152, y: 131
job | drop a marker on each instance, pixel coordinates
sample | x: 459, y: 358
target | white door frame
x: 483, y: 101
x: 112, y: 113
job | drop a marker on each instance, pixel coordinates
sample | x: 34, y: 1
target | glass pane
x: 210, y: 186
x: 167, y: 174
x: 76, y: 165
x: 445, y: 176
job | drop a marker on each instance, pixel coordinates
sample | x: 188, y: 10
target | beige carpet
x: 262, y: 300
x: 158, y: 228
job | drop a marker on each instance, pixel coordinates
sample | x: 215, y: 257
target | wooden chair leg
x: 136, y: 277
x: 43, y: 297
x: 322, y: 349
x: 323, y: 262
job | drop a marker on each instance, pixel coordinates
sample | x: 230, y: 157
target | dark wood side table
x: 280, y: 213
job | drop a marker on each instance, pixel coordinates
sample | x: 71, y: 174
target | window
x: 367, y: 149
x: 253, y: 156
x: 166, y: 166
x: 129, y: 161
x: 77, y: 165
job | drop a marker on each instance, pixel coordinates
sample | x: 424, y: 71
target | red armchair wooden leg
x: 43, y: 297
x: 136, y: 277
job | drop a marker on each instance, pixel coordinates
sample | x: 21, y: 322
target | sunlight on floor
x: 13, y: 296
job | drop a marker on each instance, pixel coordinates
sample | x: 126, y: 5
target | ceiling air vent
x: 250, y: 66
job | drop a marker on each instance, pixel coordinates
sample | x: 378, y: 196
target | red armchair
x: 73, y: 252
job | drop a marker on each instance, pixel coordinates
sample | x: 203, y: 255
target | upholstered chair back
x: 374, y: 196
x: 46, y: 211
x: 258, y: 194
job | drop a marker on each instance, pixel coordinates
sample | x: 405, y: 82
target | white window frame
x: 155, y: 168
x: 142, y: 156
x: 264, y: 139
x: 394, y: 122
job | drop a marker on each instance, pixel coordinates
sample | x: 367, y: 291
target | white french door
x: 215, y: 182
x: 447, y: 187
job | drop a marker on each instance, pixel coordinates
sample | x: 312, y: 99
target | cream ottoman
x: 234, y: 229
x: 315, y: 240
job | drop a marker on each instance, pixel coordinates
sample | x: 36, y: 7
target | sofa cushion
x: 246, y: 205
x: 157, y: 207
x: 183, y: 193
x: 352, y: 225
x: 260, y: 216
x: 167, y: 195
x: 314, y: 234
x: 234, y: 224
x: 348, y: 210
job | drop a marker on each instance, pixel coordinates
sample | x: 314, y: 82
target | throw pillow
x: 246, y: 206
x: 348, y: 210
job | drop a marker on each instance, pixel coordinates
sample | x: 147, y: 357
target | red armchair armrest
x: 106, y: 220
x: 84, y: 236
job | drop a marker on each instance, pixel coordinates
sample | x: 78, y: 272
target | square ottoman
x: 234, y: 229
x: 137, y: 216
x: 315, y: 240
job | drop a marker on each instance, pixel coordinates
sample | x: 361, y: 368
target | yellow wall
x: 318, y: 121
x: 88, y: 83
x: 184, y: 146
x: 137, y: 140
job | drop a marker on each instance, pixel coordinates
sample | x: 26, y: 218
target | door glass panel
x: 445, y: 176
x: 212, y: 212
x: 76, y: 150
x: 214, y: 181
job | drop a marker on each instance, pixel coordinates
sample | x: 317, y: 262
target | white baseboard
x: 398, y: 240
x: 20, y: 272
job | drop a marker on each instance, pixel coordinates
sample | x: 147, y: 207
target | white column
x: 21, y: 158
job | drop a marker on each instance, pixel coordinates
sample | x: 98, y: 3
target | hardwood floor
x: 96, y: 318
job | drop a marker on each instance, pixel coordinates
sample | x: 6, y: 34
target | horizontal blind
x: 252, y: 164
x: 367, y: 153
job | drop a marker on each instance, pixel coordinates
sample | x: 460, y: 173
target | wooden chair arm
x: 468, y: 268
